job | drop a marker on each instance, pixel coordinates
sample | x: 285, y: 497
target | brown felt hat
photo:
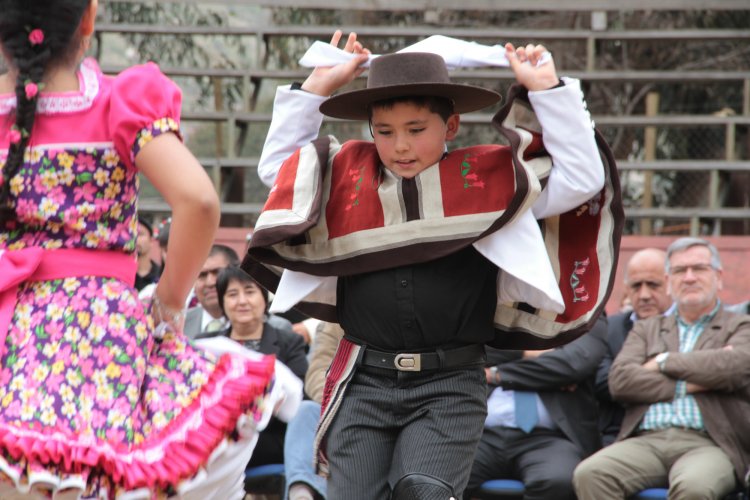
x: 403, y: 75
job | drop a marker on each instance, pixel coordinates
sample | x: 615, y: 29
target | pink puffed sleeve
x: 144, y: 104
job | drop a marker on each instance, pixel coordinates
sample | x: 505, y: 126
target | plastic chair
x: 662, y: 493
x: 267, y: 479
x: 651, y: 494
x: 500, y: 488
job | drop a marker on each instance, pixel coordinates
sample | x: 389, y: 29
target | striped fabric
x: 682, y: 411
x: 337, y: 379
x: 389, y: 426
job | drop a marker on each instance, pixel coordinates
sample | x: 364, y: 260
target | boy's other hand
x: 525, y: 63
x: 325, y: 81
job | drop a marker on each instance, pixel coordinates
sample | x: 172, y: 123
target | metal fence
x: 679, y: 129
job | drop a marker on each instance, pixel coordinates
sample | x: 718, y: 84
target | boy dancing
x: 423, y: 255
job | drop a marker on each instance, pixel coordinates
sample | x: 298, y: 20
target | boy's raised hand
x: 325, y: 81
x: 524, y: 61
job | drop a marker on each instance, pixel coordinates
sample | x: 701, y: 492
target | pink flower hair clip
x: 32, y: 89
x: 14, y: 135
x: 36, y: 36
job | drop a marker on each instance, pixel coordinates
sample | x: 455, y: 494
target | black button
x: 404, y: 283
x: 408, y: 324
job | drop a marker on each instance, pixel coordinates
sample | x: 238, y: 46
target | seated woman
x: 244, y: 303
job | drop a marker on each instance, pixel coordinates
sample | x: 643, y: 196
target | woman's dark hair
x: 58, y: 22
x: 235, y: 273
x: 441, y: 106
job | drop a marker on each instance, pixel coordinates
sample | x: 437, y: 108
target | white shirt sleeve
x: 295, y: 122
x: 568, y: 134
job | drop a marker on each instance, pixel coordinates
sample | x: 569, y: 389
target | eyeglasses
x: 696, y: 268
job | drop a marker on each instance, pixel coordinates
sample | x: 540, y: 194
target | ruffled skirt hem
x: 225, y: 413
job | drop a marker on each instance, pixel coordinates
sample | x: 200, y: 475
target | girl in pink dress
x: 95, y: 400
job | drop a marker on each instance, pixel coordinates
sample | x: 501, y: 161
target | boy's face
x: 410, y: 138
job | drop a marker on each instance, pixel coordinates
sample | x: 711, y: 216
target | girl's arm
x: 176, y: 174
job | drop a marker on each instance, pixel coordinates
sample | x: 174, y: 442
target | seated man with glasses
x: 685, y: 379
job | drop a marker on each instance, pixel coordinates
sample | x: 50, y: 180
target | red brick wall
x: 235, y: 237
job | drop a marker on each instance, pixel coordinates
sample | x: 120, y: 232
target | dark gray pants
x: 543, y: 459
x: 394, y: 423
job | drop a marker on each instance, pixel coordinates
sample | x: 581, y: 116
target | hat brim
x: 353, y: 105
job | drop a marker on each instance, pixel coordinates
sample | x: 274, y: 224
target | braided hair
x: 35, y: 35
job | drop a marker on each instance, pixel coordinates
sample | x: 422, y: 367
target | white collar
x: 64, y: 102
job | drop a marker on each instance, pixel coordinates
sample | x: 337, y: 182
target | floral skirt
x: 93, y: 406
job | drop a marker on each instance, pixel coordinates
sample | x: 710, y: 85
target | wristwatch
x: 495, y: 375
x: 660, y: 359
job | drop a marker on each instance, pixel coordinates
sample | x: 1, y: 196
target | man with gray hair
x: 685, y: 379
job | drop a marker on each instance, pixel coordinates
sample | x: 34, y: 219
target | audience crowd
x: 654, y: 396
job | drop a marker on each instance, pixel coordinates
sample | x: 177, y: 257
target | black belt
x: 439, y: 359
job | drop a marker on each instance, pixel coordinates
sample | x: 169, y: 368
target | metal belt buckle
x: 407, y: 362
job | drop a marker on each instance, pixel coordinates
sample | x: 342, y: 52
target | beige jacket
x: 324, y: 348
x: 725, y: 405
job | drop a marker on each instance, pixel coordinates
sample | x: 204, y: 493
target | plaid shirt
x: 682, y: 411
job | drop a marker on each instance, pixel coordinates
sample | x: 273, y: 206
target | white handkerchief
x: 457, y: 53
x: 460, y: 53
x: 326, y: 55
